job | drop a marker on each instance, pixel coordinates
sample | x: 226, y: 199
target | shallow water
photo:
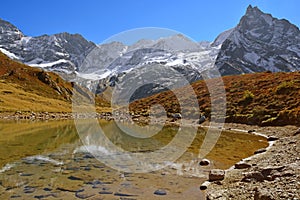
x: 50, y: 160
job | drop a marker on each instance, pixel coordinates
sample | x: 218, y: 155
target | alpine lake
x: 50, y: 160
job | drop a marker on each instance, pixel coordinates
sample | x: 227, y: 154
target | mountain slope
x: 24, y: 88
x: 259, y: 43
x: 258, y: 98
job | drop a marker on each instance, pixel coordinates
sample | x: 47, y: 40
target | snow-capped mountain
x: 61, y: 52
x: 258, y: 43
x: 176, y: 52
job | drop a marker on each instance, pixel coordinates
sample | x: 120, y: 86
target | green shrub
x: 248, y: 95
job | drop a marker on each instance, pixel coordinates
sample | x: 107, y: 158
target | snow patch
x: 49, y: 64
x: 9, y: 54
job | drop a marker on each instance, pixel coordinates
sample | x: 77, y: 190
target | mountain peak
x: 253, y: 10
x: 260, y: 42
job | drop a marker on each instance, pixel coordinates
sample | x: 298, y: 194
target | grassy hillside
x: 260, y: 98
x: 24, y: 88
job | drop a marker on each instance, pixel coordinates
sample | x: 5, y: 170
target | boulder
x: 201, y: 119
x: 242, y: 165
x: 262, y: 194
x: 204, y: 185
x: 272, y: 138
x: 216, y: 175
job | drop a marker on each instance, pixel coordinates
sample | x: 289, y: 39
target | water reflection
x: 26, y: 138
x: 113, y: 146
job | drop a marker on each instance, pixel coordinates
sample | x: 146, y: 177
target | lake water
x: 49, y: 160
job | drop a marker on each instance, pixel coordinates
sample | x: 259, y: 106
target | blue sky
x: 98, y: 20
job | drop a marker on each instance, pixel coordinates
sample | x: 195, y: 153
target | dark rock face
x: 260, y: 43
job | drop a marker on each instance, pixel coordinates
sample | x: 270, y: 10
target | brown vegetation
x: 259, y: 98
x: 25, y: 88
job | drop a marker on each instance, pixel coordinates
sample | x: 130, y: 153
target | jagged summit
x: 252, y: 9
x: 258, y: 43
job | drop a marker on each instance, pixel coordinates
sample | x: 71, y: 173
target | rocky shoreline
x: 272, y: 174
x: 30, y: 115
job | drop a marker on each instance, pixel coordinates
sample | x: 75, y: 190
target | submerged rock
x: 160, y: 192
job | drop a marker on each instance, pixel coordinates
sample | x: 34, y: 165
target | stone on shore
x: 216, y: 175
x: 272, y: 138
x: 262, y: 194
x: 204, y: 162
x: 260, y: 151
x: 297, y: 132
x: 242, y: 165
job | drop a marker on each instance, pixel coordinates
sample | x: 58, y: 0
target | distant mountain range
x: 258, y: 43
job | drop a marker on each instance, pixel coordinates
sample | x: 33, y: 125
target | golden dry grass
x: 260, y: 98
